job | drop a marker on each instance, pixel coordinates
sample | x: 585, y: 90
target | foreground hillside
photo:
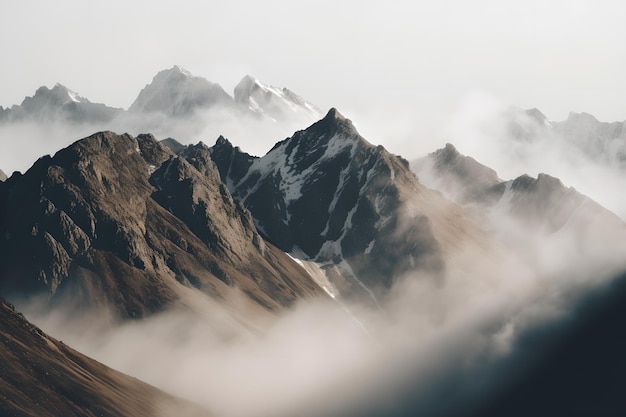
x: 41, y: 376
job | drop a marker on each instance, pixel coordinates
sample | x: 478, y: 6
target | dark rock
x: 329, y: 194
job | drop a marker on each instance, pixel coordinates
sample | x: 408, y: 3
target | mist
x: 480, y: 129
x: 26, y: 141
x: 432, y: 340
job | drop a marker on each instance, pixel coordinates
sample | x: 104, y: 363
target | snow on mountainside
x: 274, y: 102
x: 176, y: 92
x: 3, y: 176
x: 328, y: 195
x: 59, y: 103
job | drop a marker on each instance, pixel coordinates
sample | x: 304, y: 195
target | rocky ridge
x: 328, y: 195
x: 122, y: 222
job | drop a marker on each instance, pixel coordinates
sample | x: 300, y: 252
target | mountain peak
x: 181, y: 70
x: 176, y: 92
x: 537, y: 115
x: 274, y: 102
x: 337, y: 123
x: 175, y: 71
x: 223, y: 142
x: 450, y: 148
x: 333, y: 114
x: 574, y: 116
x: 244, y: 88
x: 57, y: 95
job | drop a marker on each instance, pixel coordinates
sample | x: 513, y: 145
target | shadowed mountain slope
x: 326, y: 194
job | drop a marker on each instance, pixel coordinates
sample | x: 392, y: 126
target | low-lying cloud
x: 432, y: 339
x: 23, y: 142
x: 434, y: 347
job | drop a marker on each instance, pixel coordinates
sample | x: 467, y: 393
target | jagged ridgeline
x: 124, y: 222
x: 175, y: 93
x: 119, y: 221
x: 330, y: 196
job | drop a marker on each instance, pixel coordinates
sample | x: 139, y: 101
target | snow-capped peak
x: 59, y: 95
x: 181, y: 70
x: 174, y: 74
x: 175, y: 91
x: 274, y: 102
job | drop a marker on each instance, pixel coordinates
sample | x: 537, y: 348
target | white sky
x: 376, y: 59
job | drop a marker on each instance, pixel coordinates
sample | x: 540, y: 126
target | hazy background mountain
x: 175, y: 104
x: 583, y: 152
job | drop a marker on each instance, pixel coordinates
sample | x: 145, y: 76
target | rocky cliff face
x: 41, y: 376
x: 123, y: 222
x: 328, y: 195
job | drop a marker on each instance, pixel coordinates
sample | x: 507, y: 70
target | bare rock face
x: 121, y: 221
x: 328, y: 195
x: 41, y: 376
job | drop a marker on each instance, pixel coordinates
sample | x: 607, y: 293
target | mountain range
x: 122, y: 222
x: 602, y: 141
x: 173, y: 92
x: 136, y: 227
x: 543, y: 203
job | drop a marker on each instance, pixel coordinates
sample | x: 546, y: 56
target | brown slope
x: 122, y: 222
x: 40, y: 376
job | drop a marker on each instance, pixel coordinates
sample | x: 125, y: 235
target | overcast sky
x: 372, y: 58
